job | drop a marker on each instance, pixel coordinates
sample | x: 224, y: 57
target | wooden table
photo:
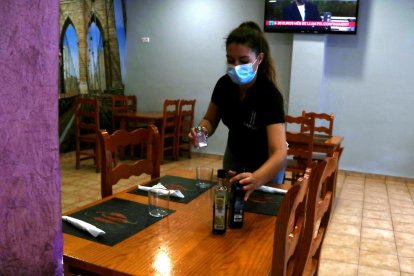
x: 140, y: 117
x: 180, y: 244
x: 324, y: 144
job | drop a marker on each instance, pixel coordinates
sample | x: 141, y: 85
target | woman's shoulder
x: 224, y: 80
x: 267, y: 86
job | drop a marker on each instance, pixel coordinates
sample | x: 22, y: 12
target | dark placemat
x: 119, y: 218
x: 264, y: 203
x: 320, y: 138
x: 186, y: 185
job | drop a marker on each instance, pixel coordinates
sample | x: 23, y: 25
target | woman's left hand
x: 247, y: 179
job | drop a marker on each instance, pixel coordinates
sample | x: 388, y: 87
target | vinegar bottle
x: 236, y: 206
x: 220, y: 202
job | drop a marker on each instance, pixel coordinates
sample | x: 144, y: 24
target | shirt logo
x: 252, y: 123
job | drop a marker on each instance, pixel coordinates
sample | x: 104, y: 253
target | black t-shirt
x: 247, y: 119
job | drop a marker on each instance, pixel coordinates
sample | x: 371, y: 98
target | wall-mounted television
x: 311, y: 16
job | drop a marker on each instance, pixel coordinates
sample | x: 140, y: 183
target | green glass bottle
x: 220, y: 202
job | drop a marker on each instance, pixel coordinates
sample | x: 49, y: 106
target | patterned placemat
x: 263, y: 203
x: 119, y: 218
x: 186, y: 185
x: 320, y: 138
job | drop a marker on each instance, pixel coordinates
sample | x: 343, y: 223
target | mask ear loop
x: 257, y: 69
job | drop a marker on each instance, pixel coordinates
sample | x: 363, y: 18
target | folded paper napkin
x: 271, y: 190
x: 91, y: 229
x: 174, y: 193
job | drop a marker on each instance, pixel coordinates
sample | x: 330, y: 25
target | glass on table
x: 204, y: 177
x: 158, y: 202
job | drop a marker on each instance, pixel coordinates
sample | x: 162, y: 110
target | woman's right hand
x: 193, y: 137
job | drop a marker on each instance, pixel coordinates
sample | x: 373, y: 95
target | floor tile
x: 377, y: 207
x: 405, y: 244
x: 406, y: 264
x: 348, y: 210
x: 384, y: 215
x: 378, y: 246
x: 345, y: 229
x: 340, y: 254
x: 377, y: 223
x: 381, y: 261
x: 403, y: 227
x: 402, y: 218
x: 351, y: 195
x: 403, y: 210
x: 329, y: 268
x: 377, y: 234
x: 340, y: 240
x: 401, y: 203
x: 372, y: 271
x: 341, y: 202
x: 344, y: 218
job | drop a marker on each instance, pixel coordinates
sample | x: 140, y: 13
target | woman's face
x: 241, y: 54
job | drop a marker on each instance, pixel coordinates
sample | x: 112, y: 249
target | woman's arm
x: 211, y: 119
x: 209, y: 123
x: 276, y: 139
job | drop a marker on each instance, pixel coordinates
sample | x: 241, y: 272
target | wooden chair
x: 169, y: 128
x: 86, y: 127
x: 323, y: 126
x: 324, y: 122
x: 300, y: 146
x: 122, y: 104
x: 290, y: 226
x: 131, y: 103
x: 150, y: 164
x: 185, y: 122
x: 318, y: 213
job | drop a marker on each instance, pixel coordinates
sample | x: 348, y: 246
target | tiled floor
x: 371, y: 231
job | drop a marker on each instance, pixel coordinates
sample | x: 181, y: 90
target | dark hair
x: 251, y: 35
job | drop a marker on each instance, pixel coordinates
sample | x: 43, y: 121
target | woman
x: 249, y: 104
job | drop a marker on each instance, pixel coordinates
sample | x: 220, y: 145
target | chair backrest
x: 185, y: 122
x: 186, y: 115
x: 122, y: 104
x: 324, y: 122
x: 300, y: 144
x: 290, y: 226
x: 170, y: 112
x: 131, y: 103
x: 169, y: 126
x: 86, y: 116
x: 318, y: 213
x: 149, y: 138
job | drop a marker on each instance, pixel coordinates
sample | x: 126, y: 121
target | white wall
x: 369, y: 83
x: 367, y: 79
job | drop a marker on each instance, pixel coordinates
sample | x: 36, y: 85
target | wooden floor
x: 372, y: 227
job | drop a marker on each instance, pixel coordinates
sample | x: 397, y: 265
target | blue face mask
x: 241, y: 74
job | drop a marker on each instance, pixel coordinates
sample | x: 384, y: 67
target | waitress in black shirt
x: 249, y: 104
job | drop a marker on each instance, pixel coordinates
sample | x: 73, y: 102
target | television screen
x: 306, y: 16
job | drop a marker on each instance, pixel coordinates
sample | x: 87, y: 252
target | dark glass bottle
x: 220, y: 202
x: 236, y: 206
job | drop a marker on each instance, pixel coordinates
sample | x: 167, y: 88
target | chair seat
x: 318, y: 156
x: 297, y: 165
